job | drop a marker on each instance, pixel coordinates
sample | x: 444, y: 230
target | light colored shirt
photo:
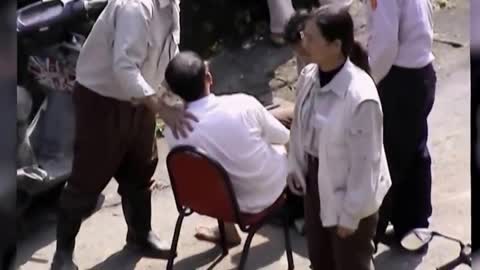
x: 238, y: 132
x: 400, y: 34
x: 341, y: 123
x: 129, y: 48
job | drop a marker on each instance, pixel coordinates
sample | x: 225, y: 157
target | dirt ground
x: 101, y: 239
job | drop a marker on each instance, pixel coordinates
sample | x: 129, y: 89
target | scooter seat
x: 40, y: 16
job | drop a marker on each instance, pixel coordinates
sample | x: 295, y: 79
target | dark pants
x: 113, y: 139
x: 326, y: 250
x: 294, y: 206
x: 407, y: 97
x: 475, y: 132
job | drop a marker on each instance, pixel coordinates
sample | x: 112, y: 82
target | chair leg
x: 223, y: 238
x: 176, y: 235
x: 246, y: 247
x: 288, y: 243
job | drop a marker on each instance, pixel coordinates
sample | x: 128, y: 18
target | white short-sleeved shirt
x: 238, y: 132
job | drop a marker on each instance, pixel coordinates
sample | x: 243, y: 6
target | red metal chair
x: 200, y: 184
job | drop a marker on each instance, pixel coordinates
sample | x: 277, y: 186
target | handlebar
x: 272, y: 106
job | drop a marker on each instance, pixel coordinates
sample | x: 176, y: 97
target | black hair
x: 336, y: 23
x: 294, y: 26
x: 185, y: 76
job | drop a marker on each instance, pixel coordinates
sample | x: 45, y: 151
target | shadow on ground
x: 260, y: 255
x: 123, y: 259
x: 37, y: 229
x: 395, y: 259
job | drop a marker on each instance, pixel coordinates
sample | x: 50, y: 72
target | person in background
x: 119, y: 69
x: 293, y: 34
x: 253, y: 153
x: 336, y: 155
x: 400, y: 52
x: 293, y: 38
x: 280, y: 12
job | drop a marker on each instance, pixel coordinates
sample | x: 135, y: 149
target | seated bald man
x: 252, y: 151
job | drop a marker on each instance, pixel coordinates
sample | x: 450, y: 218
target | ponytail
x: 359, y: 56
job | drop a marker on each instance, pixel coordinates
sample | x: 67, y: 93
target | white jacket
x: 352, y: 183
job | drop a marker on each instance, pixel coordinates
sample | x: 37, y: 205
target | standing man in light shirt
x: 119, y: 69
x: 252, y: 152
x: 400, y: 54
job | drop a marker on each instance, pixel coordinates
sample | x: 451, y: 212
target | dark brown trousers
x: 327, y: 251
x: 114, y: 139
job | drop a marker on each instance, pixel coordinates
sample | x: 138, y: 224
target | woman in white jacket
x: 336, y: 154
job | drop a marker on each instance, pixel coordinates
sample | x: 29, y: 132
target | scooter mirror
x: 417, y: 239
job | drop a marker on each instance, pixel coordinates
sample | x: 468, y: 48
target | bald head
x: 187, y: 76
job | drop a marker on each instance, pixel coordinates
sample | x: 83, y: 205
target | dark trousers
x: 407, y: 97
x: 475, y: 132
x: 326, y: 250
x: 113, y: 139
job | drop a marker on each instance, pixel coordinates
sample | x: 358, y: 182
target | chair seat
x: 251, y: 219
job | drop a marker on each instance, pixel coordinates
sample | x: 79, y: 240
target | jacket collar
x: 340, y: 83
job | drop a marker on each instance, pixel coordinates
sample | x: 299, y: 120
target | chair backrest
x: 201, y: 184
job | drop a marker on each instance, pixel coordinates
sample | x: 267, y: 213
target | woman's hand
x: 343, y: 232
x: 295, y: 185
